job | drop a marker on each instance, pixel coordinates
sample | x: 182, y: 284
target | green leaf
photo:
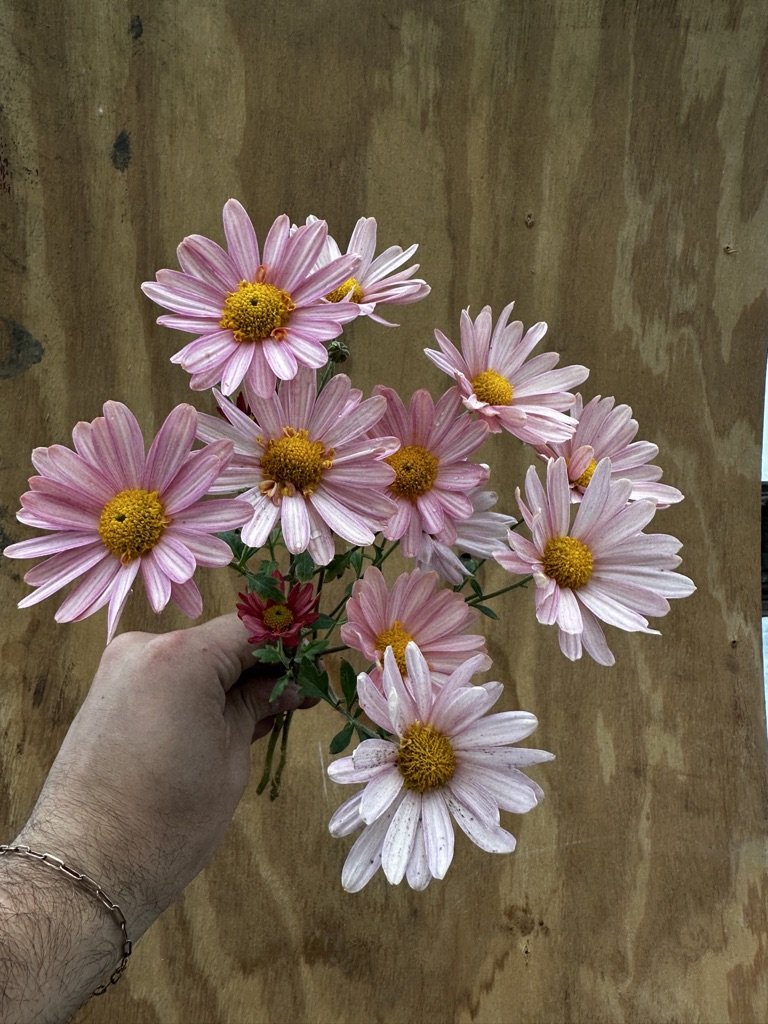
x: 485, y: 610
x: 356, y: 559
x: 324, y: 622
x: 266, y: 587
x: 312, y: 682
x: 348, y: 683
x: 341, y: 740
x: 338, y: 565
x: 303, y: 567
x: 269, y: 656
x: 279, y: 686
x: 267, y: 567
x: 477, y: 589
x: 313, y: 649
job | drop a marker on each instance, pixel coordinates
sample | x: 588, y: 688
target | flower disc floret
x: 256, y: 311
x: 568, y: 561
x: 294, y: 463
x: 349, y: 287
x: 132, y: 523
x: 425, y: 759
x: 396, y: 637
x: 491, y: 387
x: 416, y: 468
x: 278, y: 617
x: 584, y: 479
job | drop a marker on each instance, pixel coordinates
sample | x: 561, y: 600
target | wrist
x: 57, y: 944
x: 95, y: 845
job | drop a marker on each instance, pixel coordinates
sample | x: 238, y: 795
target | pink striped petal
x: 188, y: 598
x: 438, y: 832
x: 241, y: 239
x: 398, y: 842
x: 170, y: 448
x: 118, y: 594
x: 156, y: 583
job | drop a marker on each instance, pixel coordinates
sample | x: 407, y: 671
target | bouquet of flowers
x: 314, y: 486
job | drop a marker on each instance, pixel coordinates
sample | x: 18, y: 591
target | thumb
x: 248, y: 709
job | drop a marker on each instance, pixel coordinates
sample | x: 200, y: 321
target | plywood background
x: 606, y: 165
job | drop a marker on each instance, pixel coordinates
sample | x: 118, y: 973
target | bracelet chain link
x: 91, y: 886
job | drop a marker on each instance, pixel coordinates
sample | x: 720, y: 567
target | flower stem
x: 496, y: 593
x: 277, y: 728
x: 275, y: 790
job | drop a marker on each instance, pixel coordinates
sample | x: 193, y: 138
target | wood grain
x: 606, y: 165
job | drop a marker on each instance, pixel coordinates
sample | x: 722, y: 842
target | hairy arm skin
x: 139, y: 798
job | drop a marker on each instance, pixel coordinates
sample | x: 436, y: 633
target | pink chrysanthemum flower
x: 413, y: 611
x: 602, y: 432
x: 268, y: 620
x: 116, y: 512
x: 528, y: 399
x: 432, y: 475
x: 306, y: 463
x: 480, y: 535
x: 260, y: 315
x: 444, y: 761
x: 375, y: 280
x: 600, y: 568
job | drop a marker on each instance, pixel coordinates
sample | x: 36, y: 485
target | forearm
x: 58, y: 943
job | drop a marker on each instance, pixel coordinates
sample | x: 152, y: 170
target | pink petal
x: 346, y: 819
x: 438, y: 832
x: 241, y: 239
x: 398, y: 842
x: 170, y: 448
x: 127, y: 442
x: 119, y: 591
x: 364, y: 859
x: 188, y: 598
x: 62, y: 569
x: 505, y: 727
x: 156, y: 583
x: 174, y: 559
x: 488, y: 838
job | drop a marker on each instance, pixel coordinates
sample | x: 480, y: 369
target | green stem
x: 277, y: 728
x: 496, y: 593
x: 380, y: 561
x: 334, y: 650
x: 275, y: 790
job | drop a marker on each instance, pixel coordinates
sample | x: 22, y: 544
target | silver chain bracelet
x: 87, y: 883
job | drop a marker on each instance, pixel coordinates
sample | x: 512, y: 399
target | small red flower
x: 278, y: 620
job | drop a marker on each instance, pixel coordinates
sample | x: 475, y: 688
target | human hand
x: 155, y: 762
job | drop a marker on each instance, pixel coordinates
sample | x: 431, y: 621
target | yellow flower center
x: 350, y: 285
x: 426, y: 759
x: 278, y: 617
x: 132, y: 523
x: 586, y: 476
x: 416, y: 471
x: 568, y: 561
x: 398, y: 638
x: 256, y: 311
x: 293, y: 463
x: 491, y: 387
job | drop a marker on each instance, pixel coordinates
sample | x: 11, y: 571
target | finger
x: 248, y: 706
x: 223, y: 647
